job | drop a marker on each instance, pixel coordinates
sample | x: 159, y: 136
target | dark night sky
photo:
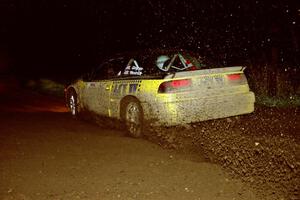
x: 49, y: 38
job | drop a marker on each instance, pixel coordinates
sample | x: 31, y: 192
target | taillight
x: 234, y: 77
x: 174, y: 86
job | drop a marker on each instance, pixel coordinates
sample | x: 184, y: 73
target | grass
x: 291, y: 101
x: 46, y: 86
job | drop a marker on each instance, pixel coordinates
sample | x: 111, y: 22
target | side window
x: 178, y: 63
x: 109, y: 69
x: 103, y: 72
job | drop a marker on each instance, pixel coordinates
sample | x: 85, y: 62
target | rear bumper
x: 195, y: 110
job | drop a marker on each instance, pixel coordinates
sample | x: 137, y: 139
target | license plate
x: 214, y: 80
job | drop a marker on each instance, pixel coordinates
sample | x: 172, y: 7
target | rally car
x: 161, y: 88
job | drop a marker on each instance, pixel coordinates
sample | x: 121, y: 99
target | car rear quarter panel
x: 200, y: 102
x: 143, y: 90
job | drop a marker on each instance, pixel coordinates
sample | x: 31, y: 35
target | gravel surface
x: 262, y: 148
x: 51, y: 156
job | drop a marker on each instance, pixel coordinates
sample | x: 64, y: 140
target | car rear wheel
x: 134, y: 118
x: 73, y: 103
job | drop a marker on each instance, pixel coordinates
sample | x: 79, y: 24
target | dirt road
x: 45, y: 154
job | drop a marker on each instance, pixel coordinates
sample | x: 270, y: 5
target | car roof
x: 147, y: 57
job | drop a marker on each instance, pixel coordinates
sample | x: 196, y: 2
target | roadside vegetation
x: 291, y: 101
x: 46, y: 86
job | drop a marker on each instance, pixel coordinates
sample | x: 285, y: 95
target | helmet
x: 161, y: 62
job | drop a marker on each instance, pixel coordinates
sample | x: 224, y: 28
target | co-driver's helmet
x: 161, y: 62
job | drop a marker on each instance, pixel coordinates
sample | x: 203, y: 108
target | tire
x: 133, y: 117
x: 72, y: 102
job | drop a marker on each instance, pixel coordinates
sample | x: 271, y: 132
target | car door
x: 98, y: 91
x: 102, y: 97
x: 96, y: 94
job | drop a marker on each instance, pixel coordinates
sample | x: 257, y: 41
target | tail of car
x: 191, y: 96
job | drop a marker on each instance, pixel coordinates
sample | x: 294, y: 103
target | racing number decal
x: 120, y: 88
x: 132, y: 87
x: 125, y: 88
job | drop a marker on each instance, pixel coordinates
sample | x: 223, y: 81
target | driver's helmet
x: 161, y: 62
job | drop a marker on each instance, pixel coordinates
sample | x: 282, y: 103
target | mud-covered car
x: 161, y: 88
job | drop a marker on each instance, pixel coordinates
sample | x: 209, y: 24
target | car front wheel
x: 134, y: 119
x: 73, y: 104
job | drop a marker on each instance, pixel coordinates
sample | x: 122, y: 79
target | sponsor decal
x: 134, y: 69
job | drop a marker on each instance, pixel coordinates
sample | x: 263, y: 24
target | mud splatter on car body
x: 185, y: 90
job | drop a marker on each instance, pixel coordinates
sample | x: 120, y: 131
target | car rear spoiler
x: 225, y: 70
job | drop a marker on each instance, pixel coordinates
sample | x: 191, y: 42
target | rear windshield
x: 152, y: 63
x: 164, y: 62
